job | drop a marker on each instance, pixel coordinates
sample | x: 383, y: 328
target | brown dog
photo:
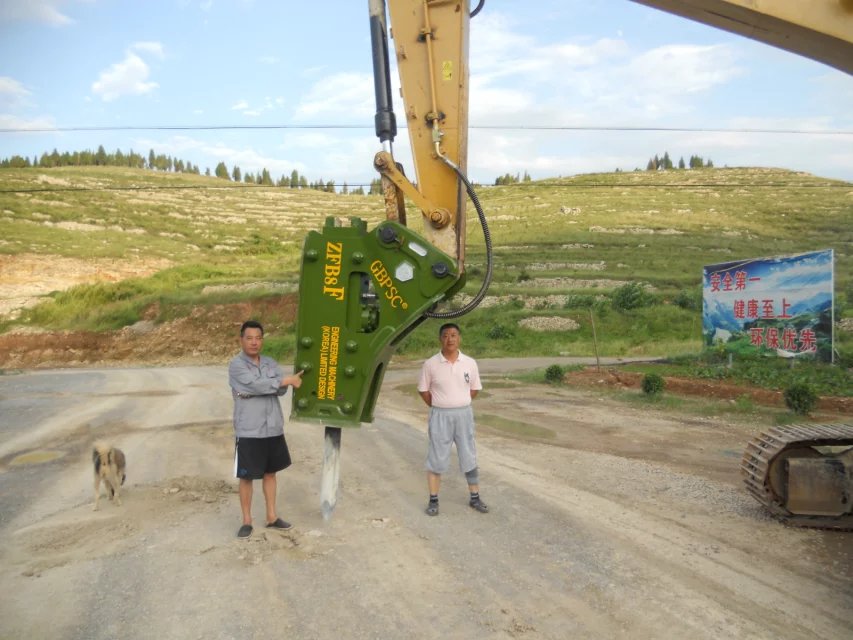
x: 109, y: 467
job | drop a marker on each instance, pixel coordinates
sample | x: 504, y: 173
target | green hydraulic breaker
x: 361, y: 292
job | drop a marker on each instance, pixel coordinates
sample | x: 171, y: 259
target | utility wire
x: 230, y: 127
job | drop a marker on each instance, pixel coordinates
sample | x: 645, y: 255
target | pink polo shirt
x: 450, y: 383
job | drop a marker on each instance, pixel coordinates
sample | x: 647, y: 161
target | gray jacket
x: 256, y: 389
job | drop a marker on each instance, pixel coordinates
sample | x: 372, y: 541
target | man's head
x: 450, y: 336
x: 252, y: 338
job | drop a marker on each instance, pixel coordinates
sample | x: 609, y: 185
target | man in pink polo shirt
x: 449, y: 382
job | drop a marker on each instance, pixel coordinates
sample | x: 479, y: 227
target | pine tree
x: 222, y: 171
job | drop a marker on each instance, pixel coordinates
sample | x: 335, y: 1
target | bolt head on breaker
x: 360, y: 293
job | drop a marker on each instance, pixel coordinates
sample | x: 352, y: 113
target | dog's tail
x: 100, y: 452
x: 120, y: 461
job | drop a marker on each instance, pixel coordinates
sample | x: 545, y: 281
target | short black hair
x: 448, y: 325
x: 251, y: 324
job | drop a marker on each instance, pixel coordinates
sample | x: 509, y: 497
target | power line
x: 532, y: 185
x: 832, y: 132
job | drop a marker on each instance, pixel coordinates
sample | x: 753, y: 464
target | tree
x: 222, y: 171
x: 151, y: 160
x: 236, y: 174
x: 681, y: 162
x: 294, y: 179
x: 266, y: 178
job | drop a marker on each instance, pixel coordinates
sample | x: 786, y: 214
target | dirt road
x: 606, y: 522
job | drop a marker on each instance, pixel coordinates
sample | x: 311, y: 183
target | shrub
x: 500, y: 332
x: 652, y: 384
x: 688, y: 300
x: 630, y: 296
x: 800, y: 398
x: 554, y: 373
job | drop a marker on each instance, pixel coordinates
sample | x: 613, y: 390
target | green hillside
x: 621, y: 250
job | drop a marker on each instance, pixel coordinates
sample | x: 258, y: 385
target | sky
x: 307, y: 65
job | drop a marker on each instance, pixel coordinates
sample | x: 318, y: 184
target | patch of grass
x: 764, y: 372
x: 514, y: 427
x: 281, y: 346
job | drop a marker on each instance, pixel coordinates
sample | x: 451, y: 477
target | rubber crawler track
x: 762, y: 450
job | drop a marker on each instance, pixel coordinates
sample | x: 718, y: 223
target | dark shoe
x: 279, y: 524
x: 432, y: 509
x: 479, y: 505
x: 245, y: 531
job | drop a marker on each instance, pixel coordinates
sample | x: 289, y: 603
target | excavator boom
x: 817, y: 29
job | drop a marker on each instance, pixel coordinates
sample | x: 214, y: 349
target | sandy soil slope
x: 605, y: 523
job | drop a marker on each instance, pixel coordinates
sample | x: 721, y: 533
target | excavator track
x: 761, y: 473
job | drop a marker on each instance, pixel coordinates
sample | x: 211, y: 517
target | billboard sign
x: 781, y: 305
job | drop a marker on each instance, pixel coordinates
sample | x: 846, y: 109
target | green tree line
x: 161, y: 162
x: 665, y: 162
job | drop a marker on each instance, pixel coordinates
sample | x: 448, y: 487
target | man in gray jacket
x: 261, y: 451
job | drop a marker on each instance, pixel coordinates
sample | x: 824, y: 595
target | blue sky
x: 610, y: 63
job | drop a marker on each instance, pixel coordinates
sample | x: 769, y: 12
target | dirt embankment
x: 207, y: 335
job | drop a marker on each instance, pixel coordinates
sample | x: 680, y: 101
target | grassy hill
x: 565, y: 249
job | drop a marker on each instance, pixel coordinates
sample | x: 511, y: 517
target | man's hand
x: 294, y: 381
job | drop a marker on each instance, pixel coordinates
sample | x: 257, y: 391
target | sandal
x: 245, y: 531
x: 279, y: 524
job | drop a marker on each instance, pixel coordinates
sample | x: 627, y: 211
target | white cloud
x: 268, y: 104
x: 12, y: 93
x: 14, y: 122
x: 676, y: 70
x: 44, y: 11
x: 582, y: 80
x: 155, y: 48
x: 345, y: 95
x: 128, y: 77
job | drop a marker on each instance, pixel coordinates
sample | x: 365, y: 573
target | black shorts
x: 254, y: 457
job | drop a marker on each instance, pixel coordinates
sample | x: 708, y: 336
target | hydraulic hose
x: 487, y: 280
